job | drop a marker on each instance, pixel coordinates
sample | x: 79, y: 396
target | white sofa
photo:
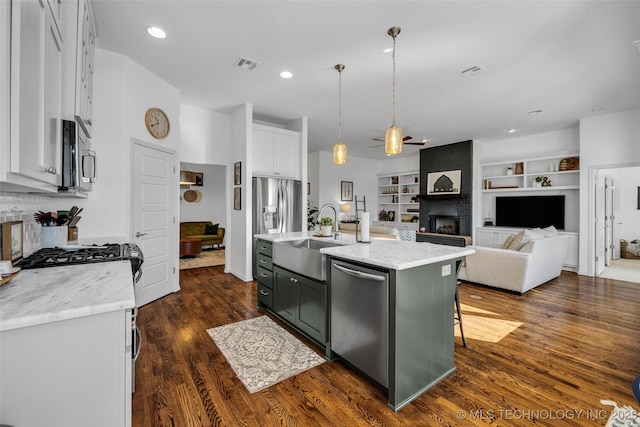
x: 535, y: 263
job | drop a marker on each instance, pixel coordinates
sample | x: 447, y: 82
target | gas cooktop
x: 84, y: 254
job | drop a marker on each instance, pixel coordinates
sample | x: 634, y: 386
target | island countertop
x: 44, y: 295
x: 392, y: 254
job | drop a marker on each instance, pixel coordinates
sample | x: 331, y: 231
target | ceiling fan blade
x: 376, y: 146
x: 414, y: 143
x: 406, y: 138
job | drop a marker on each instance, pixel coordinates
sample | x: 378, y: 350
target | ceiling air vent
x: 472, y: 71
x: 246, y: 63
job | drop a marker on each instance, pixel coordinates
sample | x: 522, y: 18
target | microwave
x: 78, y: 160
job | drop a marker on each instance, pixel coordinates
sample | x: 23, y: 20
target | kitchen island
x: 411, y: 324
x: 66, y: 346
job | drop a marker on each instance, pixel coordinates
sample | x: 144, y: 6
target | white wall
x: 205, y: 136
x: 122, y: 92
x: 239, y: 242
x: 606, y: 141
x: 362, y: 172
x: 213, y: 206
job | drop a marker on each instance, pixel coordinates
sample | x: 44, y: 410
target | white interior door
x: 153, y: 221
x: 599, y: 225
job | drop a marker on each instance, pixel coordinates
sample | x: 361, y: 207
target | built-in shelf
x: 397, y: 193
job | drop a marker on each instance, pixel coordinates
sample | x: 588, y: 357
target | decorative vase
x: 326, y: 230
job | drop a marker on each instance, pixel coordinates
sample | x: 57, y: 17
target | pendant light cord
x: 340, y: 105
x: 393, y: 122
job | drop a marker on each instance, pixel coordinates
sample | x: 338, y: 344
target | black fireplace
x: 444, y: 224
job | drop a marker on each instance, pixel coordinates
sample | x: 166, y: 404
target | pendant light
x: 339, y: 150
x: 393, y: 135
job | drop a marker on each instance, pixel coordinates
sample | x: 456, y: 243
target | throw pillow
x: 532, y: 234
x: 211, y: 229
x: 550, y: 231
x: 508, y: 241
x: 516, y: 243
x: 527, y: 247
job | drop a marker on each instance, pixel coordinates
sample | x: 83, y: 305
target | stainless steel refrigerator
x: 277, y: 207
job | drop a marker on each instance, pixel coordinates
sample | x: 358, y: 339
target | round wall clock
x: 157, y: 123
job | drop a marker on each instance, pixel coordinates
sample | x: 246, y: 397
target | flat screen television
x: 530, y: 211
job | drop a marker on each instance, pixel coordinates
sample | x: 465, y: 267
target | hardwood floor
x: 566, y: 345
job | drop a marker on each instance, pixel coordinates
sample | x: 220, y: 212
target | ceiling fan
x: 404, y: 141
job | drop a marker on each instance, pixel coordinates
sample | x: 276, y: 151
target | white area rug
x: 262, y: 353
x: 622, y: 416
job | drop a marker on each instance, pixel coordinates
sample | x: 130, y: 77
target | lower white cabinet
x: 69, y: 373
x: 495, y: 237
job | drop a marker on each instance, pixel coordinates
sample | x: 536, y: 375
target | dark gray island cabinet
x: 387, y: 308
x: 299, y: 300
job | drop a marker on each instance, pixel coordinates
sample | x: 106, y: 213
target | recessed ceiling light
x: 511, y: 130
x: 425, y: 140
x: 286, y: 74
x: 534, y: 112
x: 156, y: 32
x: 388, y: 50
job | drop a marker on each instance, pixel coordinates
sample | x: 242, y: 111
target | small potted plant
x: 325, y: 226
x: 539, y: 181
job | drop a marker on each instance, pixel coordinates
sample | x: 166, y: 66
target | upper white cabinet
x: 276, y: 152
x: 85, y: 47
x: 36, y: 90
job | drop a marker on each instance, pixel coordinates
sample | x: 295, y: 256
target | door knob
x: 139, y: 234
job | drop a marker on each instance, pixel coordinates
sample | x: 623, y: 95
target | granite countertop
x: 44, y: 295
x: 393, y: 254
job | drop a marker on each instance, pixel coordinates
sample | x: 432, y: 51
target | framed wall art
x: 447, y: 182
x: 346, y: 191
x: 237, y: 173
x: 199, y: 179
x: 12, y: 244
x: 237, y: 198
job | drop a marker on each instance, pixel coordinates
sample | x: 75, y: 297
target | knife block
x: 72, y: 234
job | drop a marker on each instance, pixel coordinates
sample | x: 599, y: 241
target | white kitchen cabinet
x: 74, y: 372
x: 36, y: 91
x: 85, y: 47
x: 276, y: 152
x: 495, y: 237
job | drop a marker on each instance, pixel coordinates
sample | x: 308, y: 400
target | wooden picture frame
x: 346, y: 191
x: 199, y: 179
x: 446, y: 182
x: 237, y: 199
x: 237, y: 173
x: 12, y: 240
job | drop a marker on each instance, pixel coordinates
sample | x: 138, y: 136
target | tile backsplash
x: 21, y: 207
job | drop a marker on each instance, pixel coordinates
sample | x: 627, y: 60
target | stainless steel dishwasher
x: 360, y: 318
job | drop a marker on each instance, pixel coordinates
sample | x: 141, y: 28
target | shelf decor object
x: 569, y: 164
x: 339, y: 150
x: 393, y: 136
x: 12, y: 243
